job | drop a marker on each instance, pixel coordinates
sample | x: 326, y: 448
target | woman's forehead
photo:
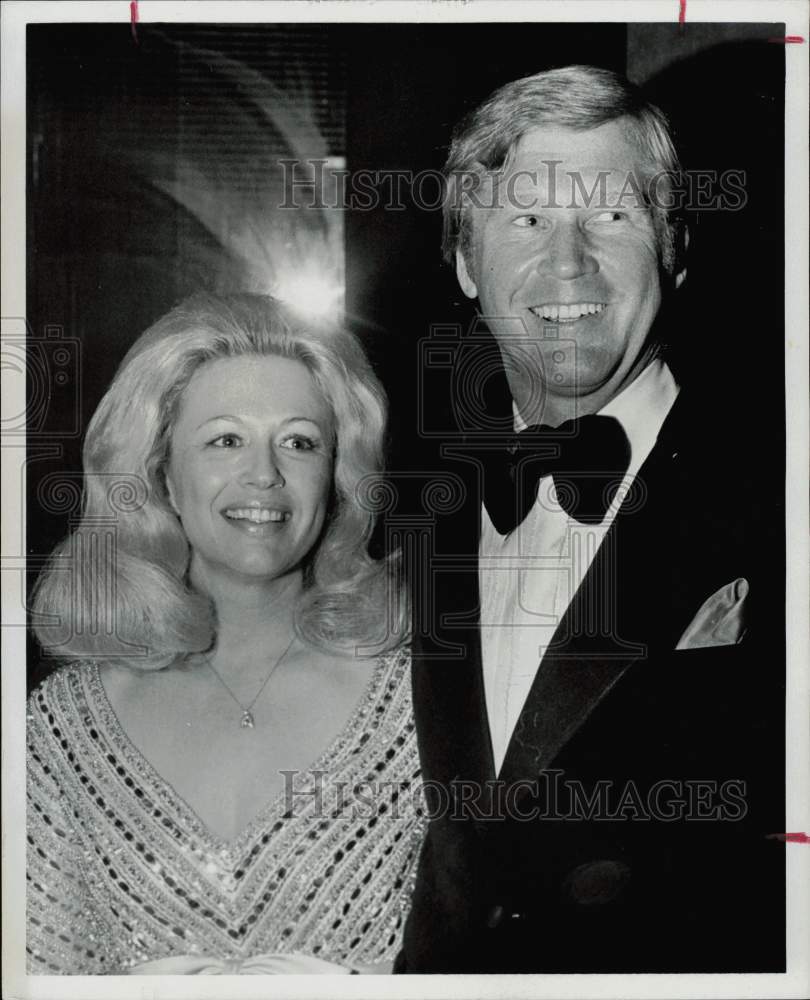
x: 252, y: 386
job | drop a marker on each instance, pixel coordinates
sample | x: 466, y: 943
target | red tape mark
x: 133, y: 19
x: 790, y: 838
x: 681, y: 12
x: 788, y: 40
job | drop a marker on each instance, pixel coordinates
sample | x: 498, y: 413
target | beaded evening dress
x: 121, y: 871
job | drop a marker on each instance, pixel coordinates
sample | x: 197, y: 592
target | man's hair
x: 143, y: 577
x: 575, y: 97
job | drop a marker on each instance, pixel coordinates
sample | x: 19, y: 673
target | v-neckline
x: 189, y: 818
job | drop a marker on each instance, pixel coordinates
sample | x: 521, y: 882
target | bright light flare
x: 312, y: 295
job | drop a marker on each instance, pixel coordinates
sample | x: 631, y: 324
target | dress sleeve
x: 63, y: 928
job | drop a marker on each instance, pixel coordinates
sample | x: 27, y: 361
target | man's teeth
x: 256, y: 515
x: 574, y: 311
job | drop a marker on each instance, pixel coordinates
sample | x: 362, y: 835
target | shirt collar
x: 640, y: 408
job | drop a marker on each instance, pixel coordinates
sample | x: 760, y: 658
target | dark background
x: 109, y: 250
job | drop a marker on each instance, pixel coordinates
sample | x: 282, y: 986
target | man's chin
x: 579, y: 385
x: 571, y: 397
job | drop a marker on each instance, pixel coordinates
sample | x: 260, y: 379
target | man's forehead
x: 611, y: 147
x: 562, y: 167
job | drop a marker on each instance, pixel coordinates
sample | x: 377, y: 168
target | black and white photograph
x: 405, y: 499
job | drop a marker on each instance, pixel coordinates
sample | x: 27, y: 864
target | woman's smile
x: 257, y: 519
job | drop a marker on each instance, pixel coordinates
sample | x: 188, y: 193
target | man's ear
x: 680, y: 256
x: 468, y: 286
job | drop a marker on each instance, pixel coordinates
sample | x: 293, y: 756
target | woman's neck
x: 255, y: 621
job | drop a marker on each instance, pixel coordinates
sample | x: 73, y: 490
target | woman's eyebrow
x: 311, y: 420
x: 219, y: 416
x: 236, y: 419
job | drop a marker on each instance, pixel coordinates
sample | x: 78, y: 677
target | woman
x: 218, y: 780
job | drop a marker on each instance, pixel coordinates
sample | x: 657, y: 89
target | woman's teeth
x: 256, y: 515
x: 563, y: 312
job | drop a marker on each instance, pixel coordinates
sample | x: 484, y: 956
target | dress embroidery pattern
x: 122, y: 871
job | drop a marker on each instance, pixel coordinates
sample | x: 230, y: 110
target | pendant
x: 247, y: 720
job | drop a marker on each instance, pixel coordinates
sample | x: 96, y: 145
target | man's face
x: 566, y: 268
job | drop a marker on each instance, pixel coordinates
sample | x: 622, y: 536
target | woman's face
x: 250, y: 468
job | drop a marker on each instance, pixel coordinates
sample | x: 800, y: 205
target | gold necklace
x: 247, y: 721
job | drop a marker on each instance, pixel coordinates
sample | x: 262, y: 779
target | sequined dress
x: 122, y: 871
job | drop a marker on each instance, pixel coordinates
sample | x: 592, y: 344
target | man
x: 598, y: 663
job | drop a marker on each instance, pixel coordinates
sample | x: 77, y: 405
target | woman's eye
x: 526, y: 221
x: 226, y: 441
x: 299, y: 442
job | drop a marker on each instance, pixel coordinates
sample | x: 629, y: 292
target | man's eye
x: 526, y: 221
x: 226, y: 441
x: 611, y: 216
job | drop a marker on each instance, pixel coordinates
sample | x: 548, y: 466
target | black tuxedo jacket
x: 629, y: 827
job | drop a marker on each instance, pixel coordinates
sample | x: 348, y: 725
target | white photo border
x: 796, y: 981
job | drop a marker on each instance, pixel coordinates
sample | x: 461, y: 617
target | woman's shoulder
x: 58, y: 727
x: 397, y: 660
x: 62, y: 677
x: 394, y: 674
x: 385, y: 714
x: 58, y: 681
x: 62, y: 699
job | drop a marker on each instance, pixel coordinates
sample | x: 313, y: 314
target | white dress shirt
x: 529, y: 577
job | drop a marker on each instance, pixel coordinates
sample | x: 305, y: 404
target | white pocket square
x: 720, y: 620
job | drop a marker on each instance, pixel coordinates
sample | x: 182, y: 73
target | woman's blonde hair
x: 117, y: 586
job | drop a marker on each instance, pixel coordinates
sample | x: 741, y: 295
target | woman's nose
x: 567, y: 254
x: 262, y: 468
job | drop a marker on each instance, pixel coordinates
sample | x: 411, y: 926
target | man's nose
x: 262, y: 467
x: 568, y: 254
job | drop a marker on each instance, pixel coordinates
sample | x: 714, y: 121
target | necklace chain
x: 247, y: 721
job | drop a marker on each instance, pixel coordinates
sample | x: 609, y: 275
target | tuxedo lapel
x: 641, y: 582
x: 587, y: 657
x: 611, y: 622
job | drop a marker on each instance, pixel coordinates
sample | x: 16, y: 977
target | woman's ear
x: 171, y: 496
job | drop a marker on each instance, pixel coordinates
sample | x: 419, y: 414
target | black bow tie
x: 587, y: 457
